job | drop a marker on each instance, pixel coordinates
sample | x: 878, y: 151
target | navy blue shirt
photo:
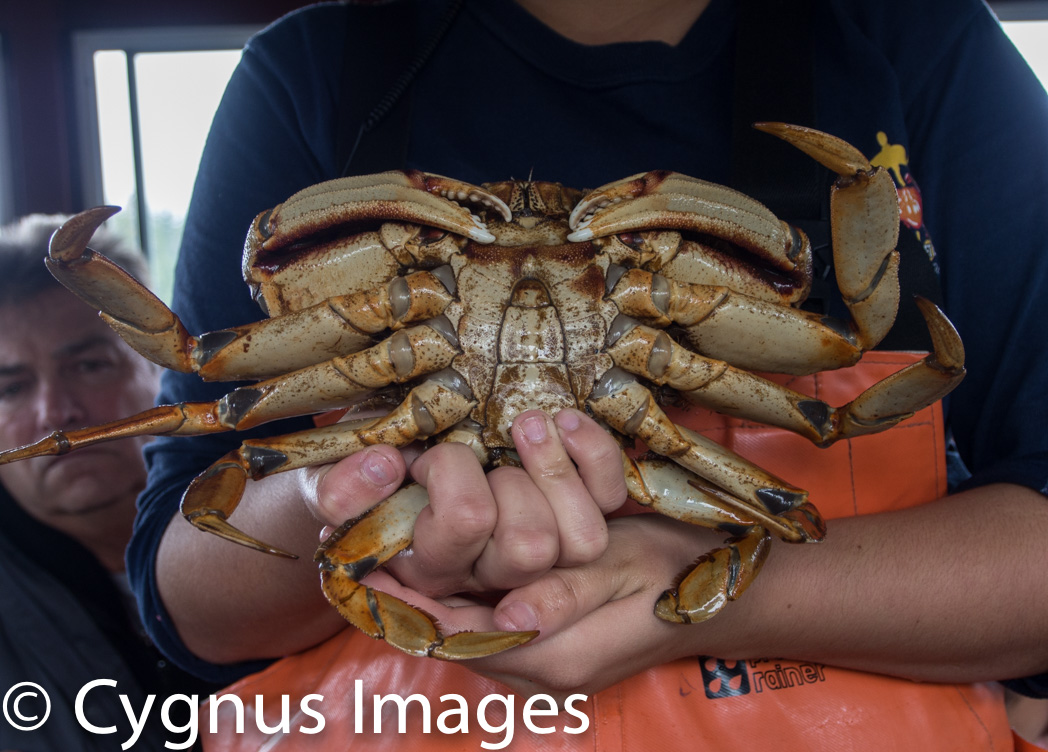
x: 939, y: 94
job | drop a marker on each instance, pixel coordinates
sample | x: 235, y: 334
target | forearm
x: 230, y: 603
x: 949, y: 591
x: 891, y: 593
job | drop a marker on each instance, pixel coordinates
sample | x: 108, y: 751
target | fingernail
x: 519, y: 617
x: 568, y: 420
x: 378, y: 469
x: 534, y: 428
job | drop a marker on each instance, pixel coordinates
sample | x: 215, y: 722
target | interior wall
x: 36, y: 46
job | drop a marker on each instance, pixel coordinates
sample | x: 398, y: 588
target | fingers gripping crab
x: 545, y: 298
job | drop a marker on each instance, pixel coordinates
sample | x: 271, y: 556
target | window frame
x: 7, y: 209
x: 131, y: 41
x: 1021, y: 10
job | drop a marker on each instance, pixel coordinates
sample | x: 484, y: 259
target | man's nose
x: 58, y: 407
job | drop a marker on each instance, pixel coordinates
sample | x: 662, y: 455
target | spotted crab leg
x: 740, y: 329
x: 121, y: 300
x: 627, y: 406
x: 652, y: 354
x: 340, y: 382
x: 725, y: 493
x: 338, y: 326
x: 213, y: 496
x: 720, y: 575
x: 362, y: 545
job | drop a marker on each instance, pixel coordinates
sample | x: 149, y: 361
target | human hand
x: 489, y: 532
x: 587, y: 585
x: 596, y: 621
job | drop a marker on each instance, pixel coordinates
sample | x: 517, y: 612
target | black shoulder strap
x: 382, y: 57
x: 774, y: 81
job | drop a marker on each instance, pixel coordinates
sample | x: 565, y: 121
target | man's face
x: 62, y: 368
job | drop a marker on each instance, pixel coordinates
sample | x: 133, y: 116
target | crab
x: 474, y: 304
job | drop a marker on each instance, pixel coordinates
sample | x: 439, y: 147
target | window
x: 1031, y: 37
x: 1026, y: 23
x: 146, y: 99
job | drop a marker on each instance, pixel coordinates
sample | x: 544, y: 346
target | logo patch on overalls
x: 723, y: 678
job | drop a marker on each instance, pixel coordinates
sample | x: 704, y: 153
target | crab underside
x: 540, y: 297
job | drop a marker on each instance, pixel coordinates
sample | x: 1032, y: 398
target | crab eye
x: 633, y: 239
x: 430, y: 235
x: 265, y: 228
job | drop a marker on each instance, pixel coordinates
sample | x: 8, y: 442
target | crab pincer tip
x: 481, y: 234
x: 69, y: 241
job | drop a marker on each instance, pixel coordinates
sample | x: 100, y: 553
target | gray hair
x: 23, y: 246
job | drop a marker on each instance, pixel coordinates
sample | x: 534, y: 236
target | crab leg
x: 335, y: 327
x: 341, y: 382
x: 740, y: 329
x: 630, y: 408
x: 362, y: 545
x: 673, y: 491
x: 213, y: 496
x: 337, y: 383
x: 720, y: 575
x: 651, y: 353
x: 913, y: 388
x: 185, y: 419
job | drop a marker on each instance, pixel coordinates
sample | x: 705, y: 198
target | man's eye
x: 11, y: 390
x: 92, y: 366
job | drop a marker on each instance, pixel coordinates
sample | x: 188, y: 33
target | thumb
x: 645, y: 553
x: 558, y: 599
x: 349, y: 487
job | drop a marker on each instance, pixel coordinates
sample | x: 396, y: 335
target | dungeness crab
x: 545, y: 298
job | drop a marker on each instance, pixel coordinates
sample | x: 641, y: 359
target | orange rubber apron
x: 694, y: 703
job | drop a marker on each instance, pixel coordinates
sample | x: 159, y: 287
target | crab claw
x: 605, y: 196
x: 458, y: 191
x: 829, y: 151
x: 69, y: 241
x: 135, y: 313
x: 662, y: 200
x: 410, y: 196
x: 362, y: 545
x: 864, y: 214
